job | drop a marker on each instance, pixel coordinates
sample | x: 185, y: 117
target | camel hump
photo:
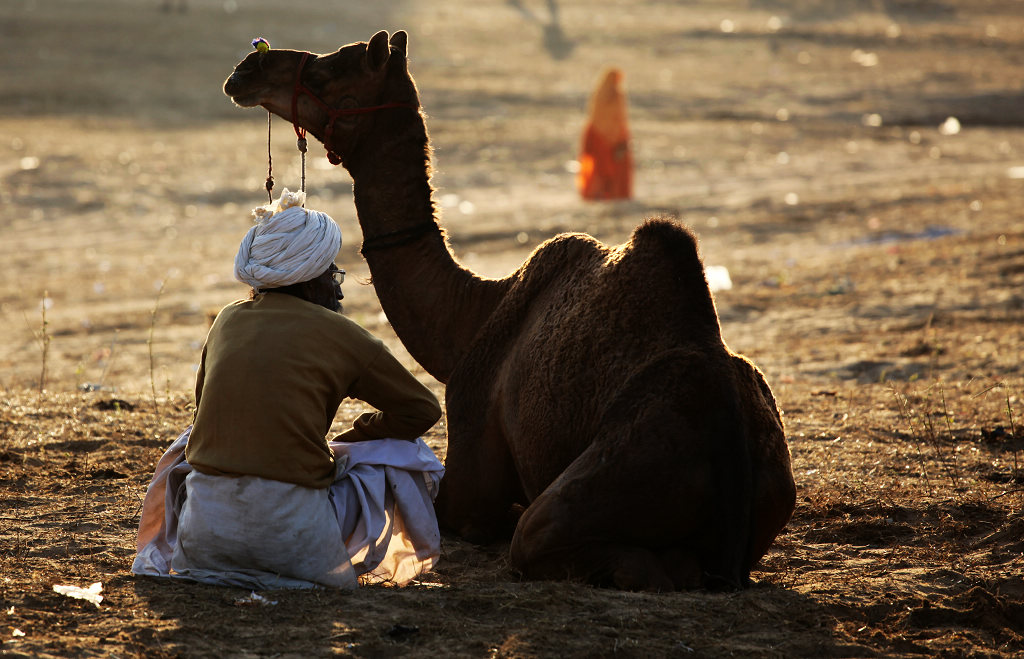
x: 675, y: 239
x: 664, y: 249
x: 668, y: 231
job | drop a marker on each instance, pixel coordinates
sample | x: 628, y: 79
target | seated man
x: 253, y: 494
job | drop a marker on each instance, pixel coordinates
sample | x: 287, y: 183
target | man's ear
x: 377, y: 52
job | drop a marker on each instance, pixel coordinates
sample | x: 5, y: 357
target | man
x: 258, y: 497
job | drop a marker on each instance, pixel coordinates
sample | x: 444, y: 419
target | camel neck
x: 435, y: 305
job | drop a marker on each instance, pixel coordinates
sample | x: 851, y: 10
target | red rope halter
x: 332, y: 113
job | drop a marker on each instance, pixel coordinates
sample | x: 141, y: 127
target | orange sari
x: 606, y: 161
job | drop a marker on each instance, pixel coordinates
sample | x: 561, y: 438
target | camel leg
x: 598, y: 524
x: 592, y: 526
x: 480, y: 486
x: 659, y: 501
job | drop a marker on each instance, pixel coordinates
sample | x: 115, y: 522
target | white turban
x: 289, y: 244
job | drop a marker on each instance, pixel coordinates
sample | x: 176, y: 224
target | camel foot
x: 640, y: 570
x: 625, y: 568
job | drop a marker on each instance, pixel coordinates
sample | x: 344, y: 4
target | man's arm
x: 407, y: 408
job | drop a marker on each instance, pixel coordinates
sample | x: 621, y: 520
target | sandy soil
x: 876, y: 252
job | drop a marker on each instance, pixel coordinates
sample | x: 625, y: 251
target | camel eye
x: 252, y: 62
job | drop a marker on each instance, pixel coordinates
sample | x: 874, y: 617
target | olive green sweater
x: 274, y: 371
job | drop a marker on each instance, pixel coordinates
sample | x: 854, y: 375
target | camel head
x: 330, y: 93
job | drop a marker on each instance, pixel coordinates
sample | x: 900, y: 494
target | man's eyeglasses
x: 338, y: 274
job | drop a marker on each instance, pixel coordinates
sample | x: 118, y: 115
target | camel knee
x: 532, y: 540
x: 544, y: 545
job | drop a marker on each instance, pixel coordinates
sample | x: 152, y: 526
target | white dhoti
x: 374, y: 523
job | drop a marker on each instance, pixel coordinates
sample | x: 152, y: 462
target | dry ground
x: 877, y: 263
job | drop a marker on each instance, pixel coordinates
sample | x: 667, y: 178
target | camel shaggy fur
x: 595, y: 416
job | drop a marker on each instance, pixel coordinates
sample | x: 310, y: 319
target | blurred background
x: 781, y: 130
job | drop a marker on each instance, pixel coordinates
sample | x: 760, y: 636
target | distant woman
x: 253, y: 494
x: 606, y: 160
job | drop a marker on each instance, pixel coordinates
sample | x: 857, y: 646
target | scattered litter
x: 94, y: 386
x: 864, y: 58
x: 951, y: 126
x: 90, y: 594
x: 17, y: 632
x: 872, y: 120
x: 10, y: 611
x: 255, y: 599
x: 928, y: 233
x: 1015, y: 172
x: 718, y: 278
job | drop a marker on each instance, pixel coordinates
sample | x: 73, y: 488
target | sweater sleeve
x: 200, y: 381
x: 407, y: 409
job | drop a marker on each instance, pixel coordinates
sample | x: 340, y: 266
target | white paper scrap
x: 90, y: 594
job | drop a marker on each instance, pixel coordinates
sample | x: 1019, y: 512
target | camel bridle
x: 376, y: 243
x: 333, y: 114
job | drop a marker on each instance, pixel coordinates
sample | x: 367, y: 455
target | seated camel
x: 590, y: 389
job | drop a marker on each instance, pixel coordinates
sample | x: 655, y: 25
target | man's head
x: 291, y: 246
x: 324, y: 289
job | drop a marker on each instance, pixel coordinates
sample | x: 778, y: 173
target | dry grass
x: 885, y: 555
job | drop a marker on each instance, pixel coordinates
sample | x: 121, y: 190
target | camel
x: 596, y: 419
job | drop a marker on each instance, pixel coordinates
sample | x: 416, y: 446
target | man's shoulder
x: 228, y: 309
x: 352, y: 328
x: 318, y: 319
x: 334, y: 321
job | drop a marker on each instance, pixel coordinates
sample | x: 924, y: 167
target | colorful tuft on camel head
x: 606, y: 161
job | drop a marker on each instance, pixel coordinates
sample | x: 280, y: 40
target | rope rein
x: 270, y: 163
x: 333, y: 114
x: 269, y: 184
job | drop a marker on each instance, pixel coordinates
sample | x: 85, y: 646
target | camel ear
x: 377, y: 51
x: 400, y: 42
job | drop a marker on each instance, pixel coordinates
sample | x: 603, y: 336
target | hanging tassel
x: 301, y: 144
x: 270, y: 163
